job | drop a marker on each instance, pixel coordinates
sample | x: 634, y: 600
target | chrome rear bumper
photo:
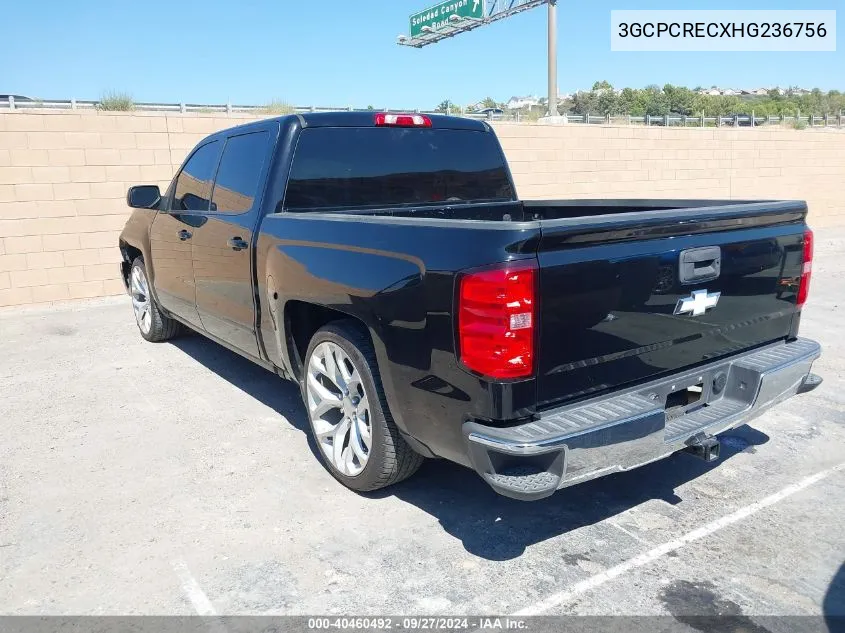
x: 631, y: 428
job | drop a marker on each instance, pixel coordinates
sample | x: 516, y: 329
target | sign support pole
x: 553, y: 58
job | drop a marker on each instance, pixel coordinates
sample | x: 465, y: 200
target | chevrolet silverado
x: 384, y: 262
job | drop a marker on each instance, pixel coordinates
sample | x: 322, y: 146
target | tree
x: 608, y: 103
x: 585, y: 102
x: 627, y: 100
x: 681, y: 100
x: 489, y: 102
x: 444, y: 106
x: 656, y: 101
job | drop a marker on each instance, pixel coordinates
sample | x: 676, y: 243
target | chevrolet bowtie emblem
x: 699, y: 302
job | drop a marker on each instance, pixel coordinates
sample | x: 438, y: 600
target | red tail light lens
x: 806, y: 271
x: 497, y: 317
x: 383, y: 119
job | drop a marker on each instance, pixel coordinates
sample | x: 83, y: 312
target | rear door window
x: 336, y: 168
x: 239, y: 175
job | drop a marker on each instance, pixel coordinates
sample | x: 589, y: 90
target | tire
x: 389, y: 458
x: 152, y: 324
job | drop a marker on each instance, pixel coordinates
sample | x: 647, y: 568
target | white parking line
x: 202, y: 605
x: 661, y: 550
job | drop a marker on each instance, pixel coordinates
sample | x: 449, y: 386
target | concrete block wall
x: 64, y: 175
x: 63, y: 182
x: 580, y: 161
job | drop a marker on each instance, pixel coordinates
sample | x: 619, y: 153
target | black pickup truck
x: 384, y: 262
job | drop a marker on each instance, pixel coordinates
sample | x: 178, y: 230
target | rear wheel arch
x: 302, y: 320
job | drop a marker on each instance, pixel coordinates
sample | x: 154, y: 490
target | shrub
x: 117, y: 101
x: 533, y: 115
x: 278, y: 106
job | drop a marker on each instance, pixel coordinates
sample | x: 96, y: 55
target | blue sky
x: 343, y: 52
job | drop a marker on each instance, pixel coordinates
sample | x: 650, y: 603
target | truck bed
x: 609, y: 283
x: 578, y: 210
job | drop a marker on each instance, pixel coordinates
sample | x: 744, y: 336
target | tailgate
x: 616, y: 292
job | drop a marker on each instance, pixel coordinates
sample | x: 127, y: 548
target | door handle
x: 237, y: 244
x: 185, y: 235
x: 700, y: 264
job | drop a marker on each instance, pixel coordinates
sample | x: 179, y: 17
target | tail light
x: 497, y: 317
x: 806, y: 271
x: 383, y: 119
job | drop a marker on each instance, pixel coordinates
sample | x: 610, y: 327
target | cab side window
x: 193, y: 187
x: 239, y: 176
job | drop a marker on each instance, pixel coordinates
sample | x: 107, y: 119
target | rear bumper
x: 631, y: 428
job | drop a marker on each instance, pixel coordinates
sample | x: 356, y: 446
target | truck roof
x: 359, y: 119
x: 367, y: 119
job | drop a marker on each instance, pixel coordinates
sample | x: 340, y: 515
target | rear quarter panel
x: 397, y: 277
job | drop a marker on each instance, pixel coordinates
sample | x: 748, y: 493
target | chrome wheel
x: 140, y: 293
x: 339, y: 408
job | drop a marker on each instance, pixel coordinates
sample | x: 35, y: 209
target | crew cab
x: 384, y: 262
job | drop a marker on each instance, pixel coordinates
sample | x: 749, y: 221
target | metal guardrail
x: 737, y: 120
x: 671, y: 120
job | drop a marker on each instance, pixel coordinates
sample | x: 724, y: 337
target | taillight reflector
x: 383, y: 119
x: 807, y: 270
x: 497, y: 318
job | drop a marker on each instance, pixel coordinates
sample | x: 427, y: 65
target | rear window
x: 335, y: 168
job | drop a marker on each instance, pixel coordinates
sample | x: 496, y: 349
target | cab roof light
x: 384, y: 119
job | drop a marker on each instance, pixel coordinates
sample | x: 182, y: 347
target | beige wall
x: 64, y: 175
x: 580, y: 161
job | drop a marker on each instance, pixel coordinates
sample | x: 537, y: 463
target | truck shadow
x: 497, y: 528
x: 489, y: 526
x: 833, y: 606
x: 268, y: 388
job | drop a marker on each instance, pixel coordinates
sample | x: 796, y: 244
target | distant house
x: 517, y: 103
x: 730, y: 92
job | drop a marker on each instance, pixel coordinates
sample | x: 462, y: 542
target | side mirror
x: 143, y: 196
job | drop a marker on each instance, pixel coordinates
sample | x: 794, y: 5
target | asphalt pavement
x: 178, y: 478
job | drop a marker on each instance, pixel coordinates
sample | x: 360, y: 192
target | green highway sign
x: 437, y: 17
